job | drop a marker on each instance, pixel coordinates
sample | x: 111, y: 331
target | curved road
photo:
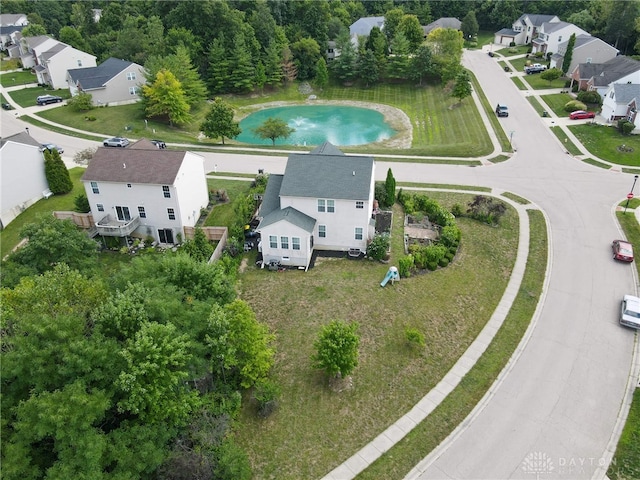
x: 553, y: 415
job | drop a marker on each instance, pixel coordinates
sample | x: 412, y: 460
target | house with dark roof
x: 599, y: 76
x: 552, y: 34
x: 323, y: 201
x: 444, y: 22
x: 113, y: 82
x: 22, y: 178
x: 622, y: 100
x: 587, y: 49
x: 523, y: 30
x: 146, y: 192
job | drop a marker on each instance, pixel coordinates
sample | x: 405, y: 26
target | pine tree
x: 390, y: 188
x: 568, y: 55
x: 56, y: 172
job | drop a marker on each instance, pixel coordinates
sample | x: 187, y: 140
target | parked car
x: 7, y: 106
x: 47, y: 99
x: 622, y: 250
x: 115, y: 142
x: 159, y: 143
x: 51, y: 146
x: 502, y: 110
x: 630, y: 311
x: 535, y: 68
x: 581, y: 114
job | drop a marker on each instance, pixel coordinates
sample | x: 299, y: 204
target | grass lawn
x: 568, y: 144
x: 10, y: 236
x: 12, y: 79
x: 538, y: 83
x: 519, y: 63
x: 511, y: 51
x: 519, y: 84
x: 490, y: 112
x: 537, y: 105
x: 556, y: 103
x: 449, y: 307
x: 26, y: 97
x: 223, y: 215
x: 485, y: 37
x: 626, y: 461
x: 603, y: 142
x: 9, y: 64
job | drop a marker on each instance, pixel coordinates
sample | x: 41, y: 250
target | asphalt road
x: 553, y: 414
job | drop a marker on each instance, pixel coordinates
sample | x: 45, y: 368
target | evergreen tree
x: 56, y: 172
x: 289, y: 68
x: 242, y: 72
x: 399, y: 59
x: 260, y: 77
x: 322, y: 73
x: 368, y: 68
x: 390, y: 189
x: 273, y: 65
x: 469, y: 25
x: 568, y: 55
x: 218, y: 73
x: 344, y: 67
x: 421, y: 64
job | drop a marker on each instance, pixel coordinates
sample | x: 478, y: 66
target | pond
x: 341, y: 126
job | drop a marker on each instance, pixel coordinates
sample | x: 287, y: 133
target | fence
x: 83, y: 220
x: 215, y: 234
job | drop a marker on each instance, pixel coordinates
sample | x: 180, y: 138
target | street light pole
x: 630, y: 194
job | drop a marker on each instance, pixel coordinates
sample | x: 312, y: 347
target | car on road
x: 51, y: 146
x: 115, y: 142
x: 7, y: 106
x: 502, y: 110
x: 581, y: 114
x: 622, y: 250
x: 159, y: 143
x: 47, y: 99
x: 630, y: 311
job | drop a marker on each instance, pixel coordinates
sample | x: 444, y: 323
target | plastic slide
x: 387, y: 277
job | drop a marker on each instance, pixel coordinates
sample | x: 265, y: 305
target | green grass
x: 519, y: 63
x: 556, y: 103
x: 443, y: 186
x: 26, y: 97
x: 499, y: 159
x: 518, y: 83
x: 223, y: 215
x: 10, y: 236
x: 626, y: 461
x: 484, y: 37
x: 511, y: 51
x: 516, y: 198
x: 634, y: 171
x: 633, y: 203
x: 596, y: 163
x: 537, y: 83
x: 538, y: 107
x: 603, y: 142
x: 566, y: 142
x: 489, y: 111
x: 397, y: 461
x: 324, y: 427
x: 9, y: 64
x: 631, y: 230
x: 13, y: 79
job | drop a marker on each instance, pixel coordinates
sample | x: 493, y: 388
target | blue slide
x: 387, y: 277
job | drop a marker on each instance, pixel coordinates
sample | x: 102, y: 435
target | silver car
x: 115, y: 142
x: 630, y: 311
x: 51, y: 146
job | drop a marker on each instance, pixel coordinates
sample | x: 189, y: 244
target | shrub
x: 56, y: 172
x: 380, y: 193
x: 414, y: 336
x: 82, y: 102
x: 486, y: 209
x: 405, y: 265
x: 444, y: 261
x: 538, y: 54
x: 83, y: 157
x: 457, y: 211
x: 266, y: 394
x: 625, y: 127
x: 432, y: 266
x: 82, y: 203
x: 433, y: 253
x: 512, y: 44
x: 450, y: 235
x: 574, y: 105
x: 378, y: 247
x: 590, y: 97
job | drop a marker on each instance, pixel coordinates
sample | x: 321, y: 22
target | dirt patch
x: 243, y: 265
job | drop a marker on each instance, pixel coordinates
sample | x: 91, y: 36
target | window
x: 79, y: 63
x: 94, y: 187
x: 589, y: 60
x: 358, y: 233
x: 141, y: 212
x: 273, y: 241
x: 166, y: 192
x: 165, y: 235
x: 359, y: 204
x: 559, y: 38
x: 331, y: 207
x: 295, y: 243
x: 131, y: 75
x: 133, y: 90
x: 123, y: 214
x: 322, y: 231
x: 172, y: 213
x: 321, y: 207
x: 100, y: 207
x: 284, y: 243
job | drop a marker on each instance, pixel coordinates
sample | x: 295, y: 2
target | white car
x: 115, y: 142
x: 630, y: 311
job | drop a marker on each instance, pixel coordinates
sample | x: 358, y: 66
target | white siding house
x: 324, y: 201
x: 523, y: 30
x: 552, y: 34
x: 22, y: 178
x: 145, y: 191
x: 621, y: 100
x: 587, y: 49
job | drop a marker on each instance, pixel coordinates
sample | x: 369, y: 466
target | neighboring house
x: 599, y: 76
x: 622, y: 100
x: 324, y: 201
x: 11, y: 23
x: 552, y: 34
x: 363, y: 26
x: 444, y: 22
x: 30, y: 48
x: 145, y: 191
x: 332, y: 51
x: 22, y: 178
x: 587, y: 49
x: 113, y: 82
x: 524, y: 29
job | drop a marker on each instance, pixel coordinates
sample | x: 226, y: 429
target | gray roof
x: 20, y: 137
x: 326, y: 172
x: 90, y: 78
x: 9, y: 29
x: 611, y: 70
x: 625, y: 92
x: 125, y: 165
x: 33, y: 42
x: 57, y: 48
x: 291, y: 215
x: 507, y: 32
x: 444, y: 22
x: 271, y: 197
x: 363, y: 25
x: 550, y: 27
x: 10, y: 18
x: 535, y: 19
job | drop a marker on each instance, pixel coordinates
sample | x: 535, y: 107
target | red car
x: 580, y: 114
x: 622, y: 250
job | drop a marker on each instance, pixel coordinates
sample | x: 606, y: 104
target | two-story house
x: 11, y: 23
x: 113, y: 82
x: 144, y: 191
x: 323, y: 201
x: 587, y: 49
x: 22, y: 178
x: 444, y: 22
x: 599, y: 76
x: 523, y: 30
x: 622, y: 100
x: 552, y: 34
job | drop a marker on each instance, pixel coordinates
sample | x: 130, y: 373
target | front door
x: 123, y: 214
x: 165, y: 235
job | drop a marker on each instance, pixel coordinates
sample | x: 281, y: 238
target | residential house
x: 444, y: 22
x: 22, y: 178
x: 323, y: 201
x: 332, y: 52
x: 113, y: 82
x: 599, y: 76
x: 30, y: 48
x: 11, y: 23
x: 144, y: 191
x: 524, y: 29
x: 552, y: 34
x: 363, y: 26
x: 6, y: 35
x: 622, y: 100
x: 587, y: 49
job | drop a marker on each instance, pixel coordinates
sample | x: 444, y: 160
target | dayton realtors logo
x: 537, y: 463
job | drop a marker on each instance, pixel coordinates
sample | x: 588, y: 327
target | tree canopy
x: 219, y: 121
x: 274, y: 128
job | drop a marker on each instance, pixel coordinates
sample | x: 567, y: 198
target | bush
x: 574, y: 105
x: 405, y: 265
x: 625, y: 127
x: 378, y: 247
x: 444, y: 261
x: 590, y: 97
x: 266, y: 394
x: 56, y: 172
x: 414, y: 336
x: 82, y: 102
x: 82, y: 203
x: 512, y: 44
x: 450, y: 235
x: 457, y: 211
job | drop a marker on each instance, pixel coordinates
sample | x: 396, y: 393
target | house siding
x: 64, y: 60
x: 116, y: 90
x: 297, y: 258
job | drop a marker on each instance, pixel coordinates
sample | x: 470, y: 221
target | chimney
x: 124, y: 165
x: 354, y: 173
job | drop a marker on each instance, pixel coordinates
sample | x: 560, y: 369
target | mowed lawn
x: 315, y: 427
x: 606, y: 143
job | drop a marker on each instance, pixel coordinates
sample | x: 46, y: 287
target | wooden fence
x: 83, y: 220
x: 214, y: 234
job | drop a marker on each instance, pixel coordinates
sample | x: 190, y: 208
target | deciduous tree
x: 337, y: 348
x: 274, y: 128
x: 165, y: 96
x: 462, y: 87
x: 469, y: 25
x: 219, y: 121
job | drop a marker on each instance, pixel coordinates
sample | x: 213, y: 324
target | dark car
x: 47, y: 99
x: 7, y: 106
x: 159, y: 143
x: 502, y: 110
x: 622, y: 250
x: 581, y: 114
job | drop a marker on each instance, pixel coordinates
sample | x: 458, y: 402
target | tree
x: 289, y: 68
x: 260, y: 77
x: 242, y: 72
x: 73, y: 37
x: 551, y: 74
x: 469, y: 25
x: 179, y: 64
x: 219, y: 121
x: 368, y: 68
x: 462, y: 87
x: 274, y: 128
x: 568, y: 55
x: 81, y: 102
x: 392, y: 20
x: 421, y: 64
x: 399, y: 59
x: 446, y: 46
x: 390, y: 189
x: 344, y: 66
x: 34, y: 30
x: 337, y: 348
x: 56, y: 172
x: 412, y: 30
x: 81, y: 203
x: 165, y: 96
x: 322, y: 73
x: 306, y: 52
x: 199, y: 248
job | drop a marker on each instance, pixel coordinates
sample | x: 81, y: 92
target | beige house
x: 113, y: 82
x: 587, y: 49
